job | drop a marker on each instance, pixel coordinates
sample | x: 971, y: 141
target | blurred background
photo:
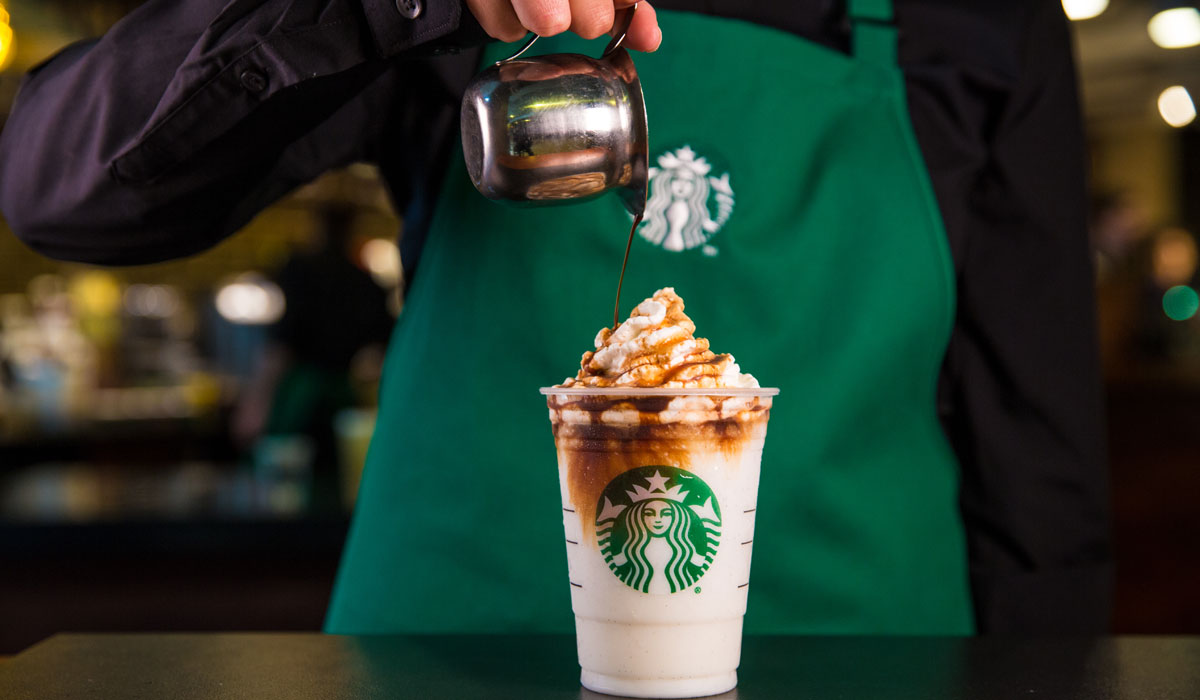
x: 150, y: 479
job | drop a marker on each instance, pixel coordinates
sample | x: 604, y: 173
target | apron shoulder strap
x: 874, y: 31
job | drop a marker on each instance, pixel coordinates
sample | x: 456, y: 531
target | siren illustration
x: 677, y: 211
x: 657, y: 538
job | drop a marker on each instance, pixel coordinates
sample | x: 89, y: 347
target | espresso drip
x: 629, y: 244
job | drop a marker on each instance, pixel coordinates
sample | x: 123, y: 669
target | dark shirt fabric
x: 187, y: 118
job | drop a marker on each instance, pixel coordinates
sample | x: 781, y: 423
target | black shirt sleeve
x: 187, y: 118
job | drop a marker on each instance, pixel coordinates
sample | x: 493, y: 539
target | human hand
x: 510, y: 20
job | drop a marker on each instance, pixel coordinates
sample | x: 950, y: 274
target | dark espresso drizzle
x: 617, y: 307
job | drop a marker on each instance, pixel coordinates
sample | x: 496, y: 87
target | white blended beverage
x: 659, y: 491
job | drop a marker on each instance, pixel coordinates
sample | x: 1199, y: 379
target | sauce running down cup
x: 659, y: 492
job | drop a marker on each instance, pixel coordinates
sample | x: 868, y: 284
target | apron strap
x: 874, y: 31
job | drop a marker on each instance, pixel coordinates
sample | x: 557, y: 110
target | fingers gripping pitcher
x: 659, y: 442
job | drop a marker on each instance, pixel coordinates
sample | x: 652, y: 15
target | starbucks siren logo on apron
x: 679, y: 212
x: 658, y: 528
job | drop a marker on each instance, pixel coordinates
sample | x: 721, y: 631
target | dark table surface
x: 304, y: 666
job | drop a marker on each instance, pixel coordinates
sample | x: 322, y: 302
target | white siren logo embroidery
x: 658, y: 528
x: 678, y: 215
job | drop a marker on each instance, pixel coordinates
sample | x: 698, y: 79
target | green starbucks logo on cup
x: 658, y: 528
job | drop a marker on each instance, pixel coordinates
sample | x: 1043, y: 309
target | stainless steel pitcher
x: 558, y: 128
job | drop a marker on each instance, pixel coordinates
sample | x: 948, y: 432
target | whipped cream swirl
x: 657, y: 347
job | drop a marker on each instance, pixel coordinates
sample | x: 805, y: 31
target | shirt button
x: 409, y: 8
x: 253, y: 80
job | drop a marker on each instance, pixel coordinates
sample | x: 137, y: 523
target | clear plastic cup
x: 659, y: 492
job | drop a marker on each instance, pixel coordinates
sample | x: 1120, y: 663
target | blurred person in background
x: 323, y: 354
x: 1118, y: 231
x: 8, y: 380
x: 906, y: 258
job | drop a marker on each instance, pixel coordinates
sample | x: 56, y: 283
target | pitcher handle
x: 625, y: 21
x: 523, y: 49
x: 619, y: 36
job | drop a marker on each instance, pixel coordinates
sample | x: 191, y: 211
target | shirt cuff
x: 400, y: 25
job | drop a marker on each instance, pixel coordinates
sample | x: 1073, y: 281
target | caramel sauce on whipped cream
x: 657, y: 347
x: 600, y: 436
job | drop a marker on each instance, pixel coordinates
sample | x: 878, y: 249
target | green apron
x: 790, y: 208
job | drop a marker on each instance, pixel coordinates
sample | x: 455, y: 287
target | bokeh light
x: 151, y: 301
x: 1084, y: 9
x: 1180, y: 303
x: 381, y: 257
x: 95, y: 293
x: 1176, y: 28
x: 250, y: 299
x: 1173, y: 257
x: 7, y: 40
x: 1176, y: 106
